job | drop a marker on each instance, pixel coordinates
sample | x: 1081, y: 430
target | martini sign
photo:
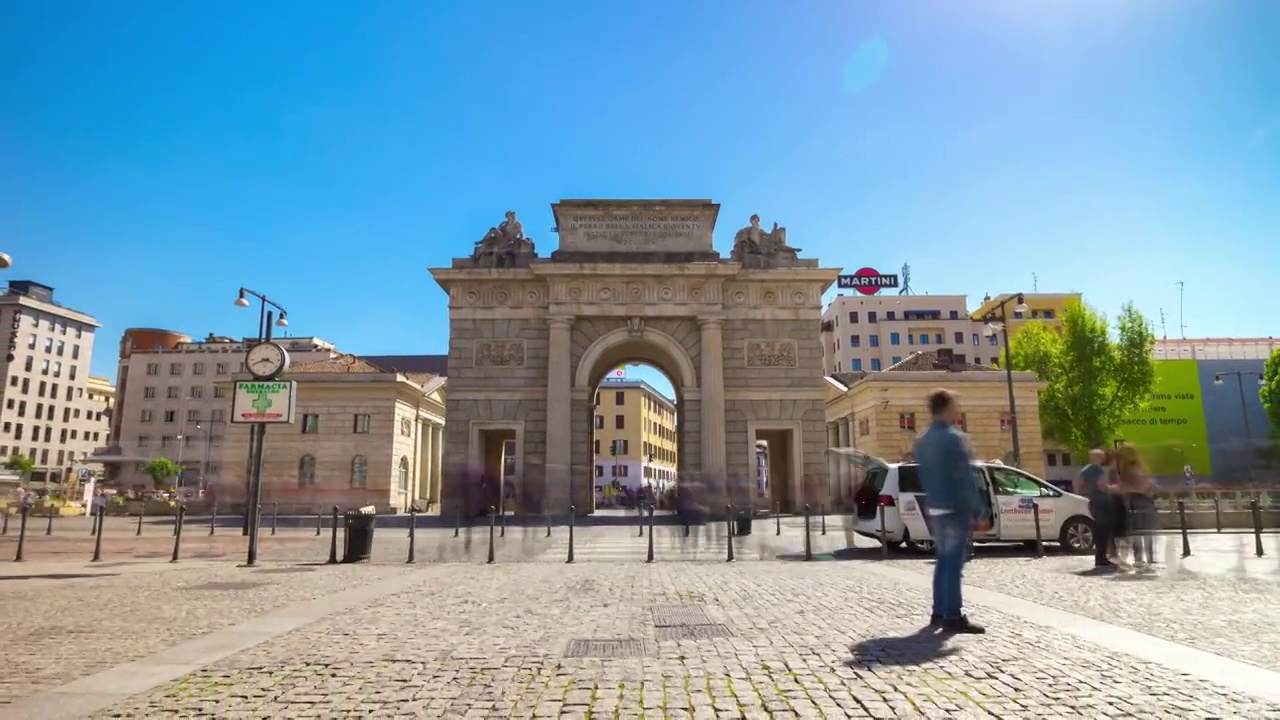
x: 269, y: 401
x: 867, y: 281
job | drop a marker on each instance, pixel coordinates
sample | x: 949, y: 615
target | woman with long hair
x: 1136, y: 488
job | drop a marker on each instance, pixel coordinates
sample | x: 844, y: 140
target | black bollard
x: 1182, y: 521
x: 640, y: 520
x: 503, y: 531
x: 823, y: 509
x: 4, y: 529
x: 319, y: 524
x: 48, y: 529
x: 333, y: 539
x: 572, y: 512
x: 1035, y: 517
x: 138, y: 532
x: 728, y: 522
x: 808, y: 541
x: 97, y: 540
x: 93, y: 525
x: 457, y: 522
x: 413, y: 526
x: 213, y: 520
x: 777, y: 519
x: 1256, y: 510
x: 22, y: 531
x: 275, y: 515
x: 493, y: 515
x: 1217, y: 513
x: 177, y: 532
x: 884, y: 535
x: 649, y: 558
x: 548, y: 524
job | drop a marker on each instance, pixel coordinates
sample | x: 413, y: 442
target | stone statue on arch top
x: 754, y: 240
x: 504, y: 245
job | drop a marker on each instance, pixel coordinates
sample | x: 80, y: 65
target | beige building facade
x: 46, y: 413
x: 870, y: 333
x: 883, y: 413
x: 362, y: 435
x: 634, y: 281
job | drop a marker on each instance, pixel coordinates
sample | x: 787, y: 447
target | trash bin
x: 744, y: 523
x: 358, y: 539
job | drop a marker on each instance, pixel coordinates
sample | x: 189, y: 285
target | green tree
x: 161, y: 470
x: 1270, y: 392
x: 20, y: 464
x: 1093, y: 379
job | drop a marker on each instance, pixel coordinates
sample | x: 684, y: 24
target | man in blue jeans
x: 954, y: 505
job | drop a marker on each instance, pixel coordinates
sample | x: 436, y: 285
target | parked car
x: 895, y: 490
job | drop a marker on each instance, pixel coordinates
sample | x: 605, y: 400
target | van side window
x: 909, y: 479
x: 875, y: 478
x: 1008, y: 482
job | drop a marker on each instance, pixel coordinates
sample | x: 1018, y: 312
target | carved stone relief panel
x: 754, y: 294
x: 634, y: 291
x: 499, y: 353
x: 493, y: 295
x: 771, y: 354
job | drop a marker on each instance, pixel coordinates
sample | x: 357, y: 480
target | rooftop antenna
x: 1035, y: 283
x: 906, y: 280
x: 1182, y: 326
x: 1164, y: 331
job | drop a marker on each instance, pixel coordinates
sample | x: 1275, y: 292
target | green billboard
x: 1170, y: 431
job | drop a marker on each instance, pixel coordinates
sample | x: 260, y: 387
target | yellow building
x: 882, y: 413
x: 1041, y: 307
x: 635, y: 437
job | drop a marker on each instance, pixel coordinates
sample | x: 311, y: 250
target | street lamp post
x: 1240, y: 375
x: 258, y: 431
x: 207, y: 427
x: 998, y: 319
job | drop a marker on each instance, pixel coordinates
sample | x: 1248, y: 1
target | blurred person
x: 944, y: 456
x: 1091, y: 483
x: 1137, y: 487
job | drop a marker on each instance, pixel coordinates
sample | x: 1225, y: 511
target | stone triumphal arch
x: 530, y: 338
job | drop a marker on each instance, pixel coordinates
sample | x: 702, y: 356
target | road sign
x: 867, y: 281
x: 271, y: 401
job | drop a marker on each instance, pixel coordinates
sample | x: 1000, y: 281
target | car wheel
x: 1077, y: 535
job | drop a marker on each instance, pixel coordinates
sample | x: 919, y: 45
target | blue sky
x: 155, y: 156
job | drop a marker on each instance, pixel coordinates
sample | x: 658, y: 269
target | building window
x: 1017, y: 315
x: 360, y: 424
x: 173, y: 392
x: 404, y: 474
x: 959, y: 338
x: 875, y: 364
x: 175, y: 368
x: 197, y: 369
x: 310, y: 424
x: 871, y: 316
x: 147, y: 416
x: 895, y: 360
x: 599, y: 471
x: 619, y: 470
x: 153, y: 368
x: 907, y: 421
x: 1046, y: 314
x: 219, y: 393
x: 619, y: 399
x: 166, y: 441
x: 895, y: 338
x: 359, y: 471
x: 599, y: 422
x: 144, y: 441
x: 1051, y: 459
x: 977, y: 339
x: 891, y: 315
x: 1006, y: 421
x: 937, y: 338
x: 307, y: 471
x: 619, y: 422
x: 954, y: 315
x: 1066, y: 457
x: 596, y: 448
x: 193, y: 416
x: 924, y: 338
x: 170, y: 415
x: 853, y: 317
x: 220, y: 369
x: 215, y: 416
x: 873, y: 340
x: 855, y: 341
x: 197, y: 392
x: 993, y: 340
x: 857, y: 365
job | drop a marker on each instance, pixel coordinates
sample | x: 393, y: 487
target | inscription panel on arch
x: 635, y: 228
x: 771, y: 354
x: 499, y: 353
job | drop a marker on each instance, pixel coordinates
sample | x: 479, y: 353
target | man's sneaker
x: 963, y: 626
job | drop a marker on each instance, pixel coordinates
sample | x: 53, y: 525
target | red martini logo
x: 867, y: 281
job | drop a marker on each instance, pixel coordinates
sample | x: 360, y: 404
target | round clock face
x: 266, y: 360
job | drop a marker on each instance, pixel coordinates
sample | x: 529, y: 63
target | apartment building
x: 45, y: 414
x: 1041, y: 307
x: 169, y: 403
x: 635, y: 436
x: 870, y: 333
x: 1215, y: 349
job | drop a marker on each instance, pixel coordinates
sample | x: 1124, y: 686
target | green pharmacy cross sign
x: 272, y: 401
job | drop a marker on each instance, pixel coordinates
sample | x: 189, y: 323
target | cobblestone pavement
x: 775, y: 640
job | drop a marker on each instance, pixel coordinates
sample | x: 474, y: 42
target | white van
x: 895, y: 489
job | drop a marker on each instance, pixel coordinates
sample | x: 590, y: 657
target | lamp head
x: 5, y: 261
x: 242, y: 301
x: 283, y: 320
x: 1021, y: 307
x: 988, y: 330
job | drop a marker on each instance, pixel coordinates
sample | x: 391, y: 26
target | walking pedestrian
x: 945, y: 458
x: 1091, y: 483
x: 1137, y: 487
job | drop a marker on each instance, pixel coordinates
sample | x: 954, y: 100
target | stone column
x: 835, y: 463
x: 422, y: 462
x: 437, y: 459
x: 846, y: 440
x: 711, y: 384
x: 559, y: 433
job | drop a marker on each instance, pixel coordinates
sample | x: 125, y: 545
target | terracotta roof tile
x: 341, y: 364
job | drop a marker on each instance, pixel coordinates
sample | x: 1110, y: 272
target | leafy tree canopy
x: 20, y: 464
x: 161, y: 470
x: 1270, y: 392
x: 1093, y: 379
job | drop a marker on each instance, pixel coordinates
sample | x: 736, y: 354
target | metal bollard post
x: 1182, y: 521
x: 649, y: 558
x: 97, y: 540
x: 503, y: 532
x: 413, y: 526
x: 493, y: 515
x: 1035, y: 516
x: 333, y: 539
x: 729, y: 535
x: 319, y: 524
x: 48, y: 529
x: 138, y: 532
x: 1217, y: 513
x: 22, y: 531
x: 572, y: 514
x: 777, y: 519
x: 275, y: 515
x: 640, y: 521
x: 4, y: 529
x: 548, y: 524
x: 884, y: 535
x: 823, y: 509
x: 213, y: 521
x: 177, y: 533
x: 93, y: 526
x: 1256, y: 510
x: 808, y: 541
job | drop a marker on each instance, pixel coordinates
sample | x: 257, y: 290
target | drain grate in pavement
x: 673, y: 615
x: 692, y: 632
x: 617, y: 648
x: 227, y: 586
x: 283, y: 570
